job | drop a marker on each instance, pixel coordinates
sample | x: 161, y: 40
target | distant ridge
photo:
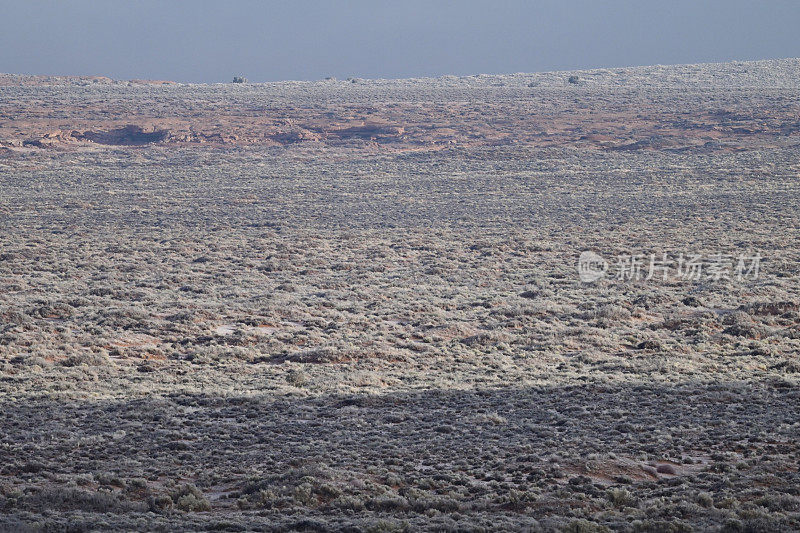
x: 25, y: 80
x: 775, y: 72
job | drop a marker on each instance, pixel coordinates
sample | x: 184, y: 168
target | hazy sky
x: 209, y: 41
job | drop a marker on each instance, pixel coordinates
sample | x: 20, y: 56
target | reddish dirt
x: 544, y: 120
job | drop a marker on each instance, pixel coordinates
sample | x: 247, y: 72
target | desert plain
x: 356, y: 305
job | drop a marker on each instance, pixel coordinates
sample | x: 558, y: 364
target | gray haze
x: 205, y: 41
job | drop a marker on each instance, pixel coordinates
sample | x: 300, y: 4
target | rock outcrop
x: 130, y: 135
